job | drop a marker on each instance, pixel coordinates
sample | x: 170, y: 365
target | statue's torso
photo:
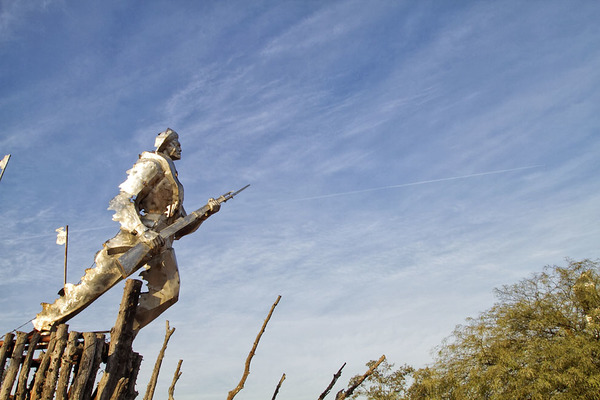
x: 151, y: 194
x: 161, y: 202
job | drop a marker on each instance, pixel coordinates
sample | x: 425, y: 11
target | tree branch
x: 176, y: 377
x: 344, y: 394
x: 240, y: 385
x: 152, y: 384
x: 278, y: 386
x: 336, y: 376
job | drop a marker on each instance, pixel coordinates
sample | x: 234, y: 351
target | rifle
x: 133, y: 258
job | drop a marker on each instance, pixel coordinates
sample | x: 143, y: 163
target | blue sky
x: 405, y: 158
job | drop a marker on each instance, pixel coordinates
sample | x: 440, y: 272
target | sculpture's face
x: 173, y: 149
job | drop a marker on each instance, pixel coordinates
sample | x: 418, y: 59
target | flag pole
x: 66, y: 249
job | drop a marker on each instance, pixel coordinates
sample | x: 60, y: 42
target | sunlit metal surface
x: 150, y: 199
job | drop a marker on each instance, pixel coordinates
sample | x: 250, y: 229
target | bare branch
x: 336, y: 376
x: 240, y: 385
x: 344, y: 394
x: 154, y: 378
x: 278, y: 386
x: 176, y: 377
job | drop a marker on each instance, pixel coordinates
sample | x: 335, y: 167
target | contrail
x: 453, y: 178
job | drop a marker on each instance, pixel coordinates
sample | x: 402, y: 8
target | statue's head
x: 168, y: 142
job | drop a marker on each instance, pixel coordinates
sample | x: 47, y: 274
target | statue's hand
x: 152, y: 239
x: 214, y: 205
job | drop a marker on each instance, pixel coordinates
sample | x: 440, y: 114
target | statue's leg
x: 76, y: 298
x: 162, y: 278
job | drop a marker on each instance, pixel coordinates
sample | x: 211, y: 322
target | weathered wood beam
x: 85, y: 366
x: 21, y: 393
x: 121, y: 339
x: 5, y: 350
x: 98, y: 357
x: 13, y: 368
x: 40, y: 374
x: 55, y: 360
x: 66, y: 366
x: 136, y: 362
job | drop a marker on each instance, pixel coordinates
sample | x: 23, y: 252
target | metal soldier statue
x: 149, y: 209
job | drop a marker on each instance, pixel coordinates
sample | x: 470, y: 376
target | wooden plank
x: 13, y: 368
x: 24, y: 374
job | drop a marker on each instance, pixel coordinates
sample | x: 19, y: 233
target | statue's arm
x: 140, y: 178
x: 214, y: 208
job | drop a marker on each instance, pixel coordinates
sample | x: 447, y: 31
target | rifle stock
x: 135, y: 257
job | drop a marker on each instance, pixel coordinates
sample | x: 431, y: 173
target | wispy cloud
x: 395, y: 154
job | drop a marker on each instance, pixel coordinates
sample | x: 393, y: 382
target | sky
x: 405, y: 158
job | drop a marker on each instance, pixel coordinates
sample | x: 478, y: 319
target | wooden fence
x: 65, y: 365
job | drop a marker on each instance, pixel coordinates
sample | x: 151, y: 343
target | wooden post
x: 66, y: 365
x: 54, y: 366
x: 136, y: 362
x: 85, y: 366
x: 120, y: 389
x: 121, y: 339
x: 4, y: 350
x: 13, y: 369
x: 125, y: 389
x: 154, y: 378
x: 66, y: 252
x: 40, y: 374
x: 98, y: 356
x: 24, y: 374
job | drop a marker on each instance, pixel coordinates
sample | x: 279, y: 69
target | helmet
x: 163, y: 139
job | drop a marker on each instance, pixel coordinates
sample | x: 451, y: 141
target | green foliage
x: 541, y: 340
x: 384, y: 383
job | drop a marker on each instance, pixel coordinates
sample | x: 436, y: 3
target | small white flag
x: 61, y: 237
x: 4, y: 161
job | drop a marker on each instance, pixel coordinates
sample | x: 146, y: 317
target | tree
x: 541, y: 340
x: 384, y: 383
